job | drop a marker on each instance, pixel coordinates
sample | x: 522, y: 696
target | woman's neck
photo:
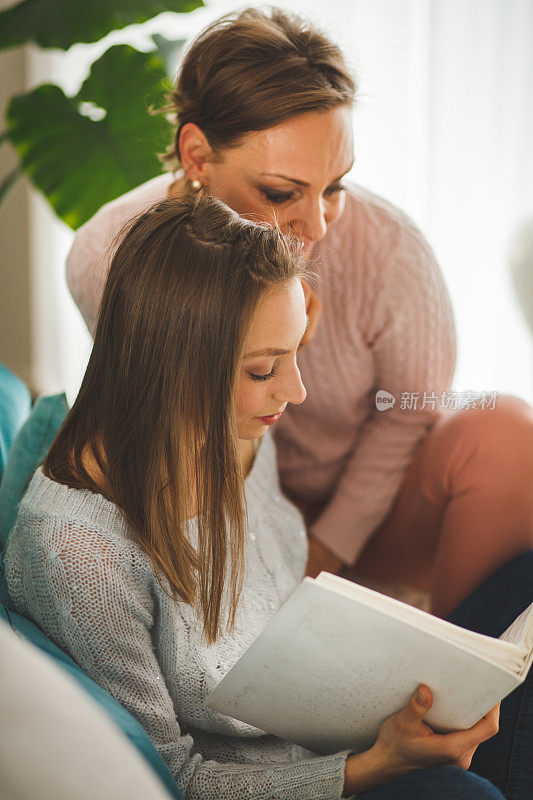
x: 247, y: 454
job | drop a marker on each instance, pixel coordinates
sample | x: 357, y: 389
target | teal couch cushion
x: 15, y: 404
x: 122, y: 718
x: 28, y: 451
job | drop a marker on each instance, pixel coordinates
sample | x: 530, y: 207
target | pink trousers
x: 465, y: 507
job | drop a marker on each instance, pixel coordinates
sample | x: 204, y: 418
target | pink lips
x: 271, y: 419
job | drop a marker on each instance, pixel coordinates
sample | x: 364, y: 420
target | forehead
x: 310, y: 147
x: 279, y: 318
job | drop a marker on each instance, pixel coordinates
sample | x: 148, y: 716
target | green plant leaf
x: 83, y: 151
x: 62, y: 23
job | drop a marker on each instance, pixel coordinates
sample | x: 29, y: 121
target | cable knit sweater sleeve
x: 408, y: 325
x: 95, y: 242
x: 95, y: 597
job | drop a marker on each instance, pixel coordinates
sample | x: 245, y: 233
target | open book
x: 338, y: 659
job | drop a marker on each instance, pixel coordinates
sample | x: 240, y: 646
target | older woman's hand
x: 320, y: 559
x: 313, y: 307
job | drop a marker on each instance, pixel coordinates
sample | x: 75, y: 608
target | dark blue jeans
x: 503, y: 765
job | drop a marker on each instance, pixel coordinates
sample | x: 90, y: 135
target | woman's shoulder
x: 369, y: 216
x: 66, y: 541
x: 93, y: 246
x: 373, y: 233
x: 53, y: 517
x: 71, y: 567
x: 367, y: 206
x: 110, y: 218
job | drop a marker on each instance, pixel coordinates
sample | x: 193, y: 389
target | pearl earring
x: 196, y: 185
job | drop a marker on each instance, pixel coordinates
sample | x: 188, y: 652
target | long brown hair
x: 155, y: 409
x: 251, y: 70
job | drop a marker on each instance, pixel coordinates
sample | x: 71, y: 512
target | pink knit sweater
x: 386, y: 324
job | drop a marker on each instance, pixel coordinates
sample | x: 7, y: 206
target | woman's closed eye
x: 283, y: 197
x: 277, y: 197
x: 256, y: 377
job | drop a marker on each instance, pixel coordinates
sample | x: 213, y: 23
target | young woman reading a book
x: 263, y: 112
x: 154, y: 544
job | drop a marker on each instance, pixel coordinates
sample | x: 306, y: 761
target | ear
x: 195, y: 153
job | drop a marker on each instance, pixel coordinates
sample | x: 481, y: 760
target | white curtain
x: 444, y: 125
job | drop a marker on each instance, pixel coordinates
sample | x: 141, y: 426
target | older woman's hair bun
x: 251, y: 70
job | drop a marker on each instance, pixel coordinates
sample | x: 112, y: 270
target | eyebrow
x: 304, y: 183
x: 270, y: 352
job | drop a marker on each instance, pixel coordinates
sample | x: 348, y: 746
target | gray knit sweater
x: 73, y: 566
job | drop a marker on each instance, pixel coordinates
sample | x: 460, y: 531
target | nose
x: 292, y: 389
x: 313, y: 223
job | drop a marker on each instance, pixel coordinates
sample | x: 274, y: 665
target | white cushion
x: 55, y: 742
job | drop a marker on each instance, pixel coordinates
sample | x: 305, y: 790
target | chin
x: 253, y: 430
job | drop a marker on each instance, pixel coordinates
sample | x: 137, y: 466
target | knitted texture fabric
x: 386, y: 324
x: 74, y: 568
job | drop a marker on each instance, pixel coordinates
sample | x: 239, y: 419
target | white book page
x: 508, y: 653
x: 521, y: 631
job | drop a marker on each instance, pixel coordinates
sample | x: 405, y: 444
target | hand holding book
x: 405, y: 743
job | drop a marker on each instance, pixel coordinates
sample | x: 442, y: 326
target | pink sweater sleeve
x: 86, y: 273
x: 95, y: 242
x: 413, y: 347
